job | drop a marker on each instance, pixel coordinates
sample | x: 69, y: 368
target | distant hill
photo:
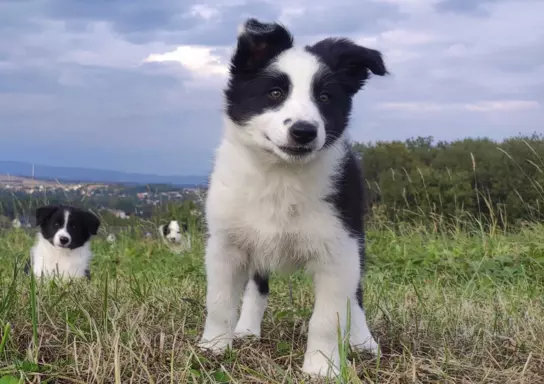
x: 68, y: 174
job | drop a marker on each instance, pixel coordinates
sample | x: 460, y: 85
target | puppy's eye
x: 324, y: 97
x: 57, y: 225
x: 275, y: 93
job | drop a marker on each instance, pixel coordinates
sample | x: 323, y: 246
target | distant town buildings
x: 104, y: 193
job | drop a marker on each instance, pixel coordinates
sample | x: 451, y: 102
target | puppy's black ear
x: 257, y: 44
x: 164, y: 229
x: 351, y: 61
x: 184, y: 227
x: 43, y: 213
x: 92, y: 223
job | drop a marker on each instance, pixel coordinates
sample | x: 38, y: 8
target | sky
x: 137, y: 85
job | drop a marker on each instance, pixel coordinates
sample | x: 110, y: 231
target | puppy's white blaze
x: 174, y: 233
x: 301, y: 68
x: 63, y: 232
x: 253, y: 307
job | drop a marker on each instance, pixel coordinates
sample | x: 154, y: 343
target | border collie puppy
x: 63, y: 244
x: 111, y: 238
x: 176, y: 236
x: 286, y: 190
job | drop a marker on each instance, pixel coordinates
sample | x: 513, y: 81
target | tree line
x: 502, y: 181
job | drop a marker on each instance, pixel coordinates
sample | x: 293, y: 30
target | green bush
x: 500, y: 182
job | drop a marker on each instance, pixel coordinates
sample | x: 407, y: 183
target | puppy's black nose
x: 303, y: 132
x: 64, y: 240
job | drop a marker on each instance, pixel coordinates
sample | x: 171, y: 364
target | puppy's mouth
x: 59, y: 245
x: 296, y: 151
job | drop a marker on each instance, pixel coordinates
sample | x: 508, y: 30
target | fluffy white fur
x: 49, y: 260
x: 263, y: 203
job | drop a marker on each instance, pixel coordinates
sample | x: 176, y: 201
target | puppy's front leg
x: 226, y: 275
x: 253, y: 307
x: 336, y: 280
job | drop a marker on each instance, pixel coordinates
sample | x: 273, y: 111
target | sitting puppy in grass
x: 176, y: 236
x: 63, y: 243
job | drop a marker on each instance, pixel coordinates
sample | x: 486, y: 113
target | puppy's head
x: 173, y: 232
x: 66, y: 227
x: 293, y: 102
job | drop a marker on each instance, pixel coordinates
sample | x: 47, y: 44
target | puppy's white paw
x: 368, y: 345
x: 316, y: 364
x: 217, y: 345
x: 244, y: 330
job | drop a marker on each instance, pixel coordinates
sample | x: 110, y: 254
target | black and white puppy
x: 63, y: 244
x: 286, y: 190
x: 176, y: 236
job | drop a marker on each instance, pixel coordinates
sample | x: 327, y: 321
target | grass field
x: 447, y: 307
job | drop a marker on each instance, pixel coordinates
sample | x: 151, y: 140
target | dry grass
x: 447, y: 307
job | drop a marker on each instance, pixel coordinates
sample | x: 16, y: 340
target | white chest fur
x: 50, y: 260
x: 278, y: 214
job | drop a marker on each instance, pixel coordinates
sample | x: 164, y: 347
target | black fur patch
x: 345, y: 70
x: 349, y: 63
x: 248, y: 91
x: 166, y: 229
x: 262, y: 284
x: 257, y: 45
x: 348, y: 202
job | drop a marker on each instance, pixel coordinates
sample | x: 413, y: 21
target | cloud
x: 137, y: 85
x: 504, y: 106
x: 198, y: 59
